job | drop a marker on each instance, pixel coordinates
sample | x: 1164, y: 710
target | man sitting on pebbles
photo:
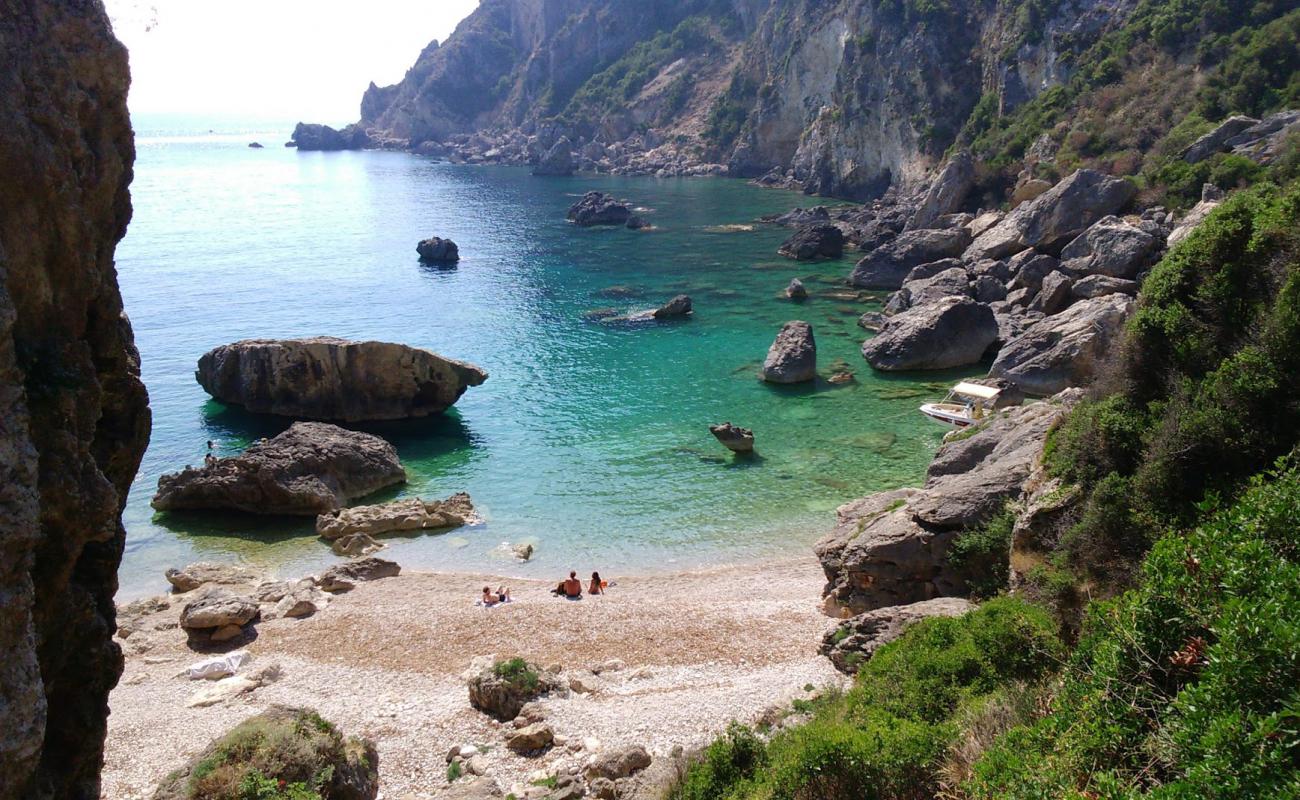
x: 570, y: 588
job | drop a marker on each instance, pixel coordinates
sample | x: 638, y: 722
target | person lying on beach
x: 597, y: 585
x: 503, y: 594
x: 489, y: 599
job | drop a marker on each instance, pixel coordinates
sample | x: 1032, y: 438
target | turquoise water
x: 589, y: 440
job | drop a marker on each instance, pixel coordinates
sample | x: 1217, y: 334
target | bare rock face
x: 676, y: 308
x: 793, y: 355
x: 400, y: 515
x: 851, y: 643
x: 501, y: 690
x: 1111, y: 247
x: 618, y: 764
x: 312, y: 468
x: 1065, y: 349
x: 1214, y: 141
x: 814, y: 241
x: 331, y: 379
x: 558, y: 160
x: 203, y: 573
x: 949, y: 332
x: 74, y: 417
x: 946, y: 193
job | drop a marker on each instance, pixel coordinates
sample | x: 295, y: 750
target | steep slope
x: 74, y: 416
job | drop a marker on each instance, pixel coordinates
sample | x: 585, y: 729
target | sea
x: 590, y: 440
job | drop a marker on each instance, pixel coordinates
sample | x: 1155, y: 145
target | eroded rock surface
x: 949, y: 332
x: 74, y: 417
x: 400, y: 515
x: 312, y: 468
x: 1050, y: 221
x: 1066, y: 349
x: 792, y: 357
x: 330, y: 379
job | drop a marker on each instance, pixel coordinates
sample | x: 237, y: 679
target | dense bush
x: 887, y: 738
x: 984, y: 552
x: 1205, y: 393
x: 1188, y: 686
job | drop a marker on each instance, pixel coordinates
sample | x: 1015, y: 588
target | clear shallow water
x: 589, y: 440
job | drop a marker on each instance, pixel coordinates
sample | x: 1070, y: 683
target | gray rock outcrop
x: 793, y: 355
x: 947, y: 191
x: 335, y: 380
x: 814, y: 241
x: 851, y: 643
x: 1066, y: 349
x: 400, y: 515
x: 949, y: 332
x: 598, y: 208
x: 1050, y: 221
x: 887, y: 266
x: 310, y: 469
x: 311, y: 136
x: 502, y: 693
x: 796, y: 290
x: 74, y: 416
x: 203, y: 573
x: 216, y: 609
x: 437, y: 250
x: 1110, y: 247
x: 676, y: 308
x: 1216, y: 140
x: 344, y: 577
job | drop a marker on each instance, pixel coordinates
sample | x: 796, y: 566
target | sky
x: 273, y: 59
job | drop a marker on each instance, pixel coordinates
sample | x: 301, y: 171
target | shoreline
x: 697, y: 650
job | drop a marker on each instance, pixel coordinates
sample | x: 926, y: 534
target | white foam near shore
x: 698, y: 649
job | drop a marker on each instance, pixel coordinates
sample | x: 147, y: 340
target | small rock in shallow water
x: 733, y: 437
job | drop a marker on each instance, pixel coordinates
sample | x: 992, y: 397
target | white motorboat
x: 966, y: 404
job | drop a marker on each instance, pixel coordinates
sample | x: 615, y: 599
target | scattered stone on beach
x: 217, y: 609
x: 530, y: 738
x: 733, y: 437
x: 814, y: 241
x: 598, y: 208
x: 793, y: 355
x: 399, y: 515
x: 796, y: 290
x: 617, y: 764
x: 310, y: 469
x: 326, y: 378
x: 342, y: 577
x: 851, y: 643
x: 192, y: 576
x: 438, y: 251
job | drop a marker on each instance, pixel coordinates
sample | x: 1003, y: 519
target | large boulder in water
x: 310, y: 469
x: 793, y: 355
x: 311, y: 136
x: 950, y: 332
x: 814, y: 241
x: 598, y: 208
x: 438, y: 251
x: 330, y: 379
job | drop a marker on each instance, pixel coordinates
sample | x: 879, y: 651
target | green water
x: 589, y: 440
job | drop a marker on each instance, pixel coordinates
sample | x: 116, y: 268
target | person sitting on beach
x: 489, y: 599
x: 573, y: 586
x: 597, y: 585
x: 503, y: 594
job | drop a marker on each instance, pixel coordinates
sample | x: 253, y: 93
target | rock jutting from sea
x: 400, y: 515
x: 329, y: 379
x: 312, y: 468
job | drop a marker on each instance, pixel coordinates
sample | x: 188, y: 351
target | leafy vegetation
x: 986, y: 549
x: 888, y: 736
x: 518, y: 674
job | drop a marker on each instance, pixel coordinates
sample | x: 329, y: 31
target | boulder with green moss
x: 280, y: 754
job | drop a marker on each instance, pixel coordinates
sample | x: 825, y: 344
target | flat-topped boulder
x: 598, y: 208
x: 310, y: 469
x: 400, y: 515
x: 335, y: 380
x: 792, y: 357
x: 437, y: 250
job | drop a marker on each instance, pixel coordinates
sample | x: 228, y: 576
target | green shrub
x: 517, y: 673
x: 984, y: 554
x: 731, y: 761
x: 1188, y: 686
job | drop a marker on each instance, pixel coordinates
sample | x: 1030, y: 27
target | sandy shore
x: 698, y: 649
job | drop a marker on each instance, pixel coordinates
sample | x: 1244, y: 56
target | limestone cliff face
x: 842, y: 97
x: 74, y: 417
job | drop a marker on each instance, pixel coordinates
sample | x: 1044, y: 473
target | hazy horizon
x: 288, y: 60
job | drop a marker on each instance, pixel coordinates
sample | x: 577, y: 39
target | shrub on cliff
x: 887, y: 738
x: 281, y: 754
x: 1204, y: 394
x: 1186, y: 686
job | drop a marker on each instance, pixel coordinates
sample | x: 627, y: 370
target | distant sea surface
x: 589, y: 440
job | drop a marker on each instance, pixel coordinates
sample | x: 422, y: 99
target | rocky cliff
x: 74, y: 416
x: 842, y: 98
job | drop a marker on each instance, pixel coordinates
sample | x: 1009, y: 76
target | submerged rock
x: 598, y: 208
x: 400, y: 515
x: 310, y: 469
x: 793, y: 355
x: 438, y: 251
x: 325, y: 378
x: 733, y: 437
x: 814, y: 241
